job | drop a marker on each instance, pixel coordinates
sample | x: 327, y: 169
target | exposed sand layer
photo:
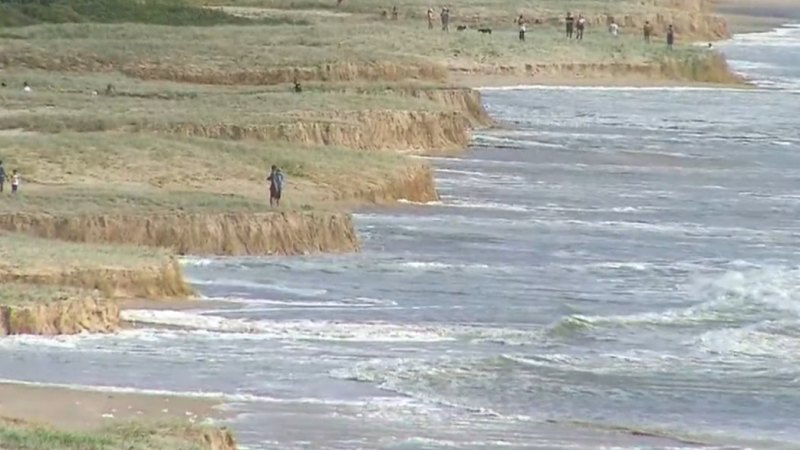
x: 60, y: 316
x: 417, y: 132
x: 200, y: 234
x: 152, y: 282
x: 711, y: 68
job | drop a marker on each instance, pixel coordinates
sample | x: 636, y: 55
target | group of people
x: 575, y: 27
x: 444, y: 17
x: 14, y: 179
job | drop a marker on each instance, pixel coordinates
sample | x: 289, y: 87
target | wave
x: 735, y: 297
x: 455, y: 203
x: 227, y: 282
x: 323, y: 330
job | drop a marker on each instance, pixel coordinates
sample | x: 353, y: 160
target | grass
x: 105, y: 173
x: 24, y: 253
x: 61, y: 103
x: 174, y: 52
x: 15, y: 13
x: 419, y: 7
x: 20, y: 293
x: 16, y: 436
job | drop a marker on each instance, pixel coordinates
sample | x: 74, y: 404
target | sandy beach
x: 78, y: 410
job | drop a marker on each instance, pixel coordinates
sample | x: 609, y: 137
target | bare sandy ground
x: 73, y: 409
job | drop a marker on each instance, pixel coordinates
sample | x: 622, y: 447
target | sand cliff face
x: 415, y: 184
x: 405, y: 131
x: 200, y: 234
x: 416, y: 132
x: 708, y: 68
x: 157, y: 282
x: 62, y: 316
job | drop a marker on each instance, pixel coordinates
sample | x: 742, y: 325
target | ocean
x: 612, y: 268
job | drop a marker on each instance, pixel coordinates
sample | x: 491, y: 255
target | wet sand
x: 73, y: 409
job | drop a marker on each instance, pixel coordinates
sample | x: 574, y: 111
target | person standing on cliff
x: 14, y: 182
x: 430, y: 18
x: 522, y: 28
x: 648, y: 31
x: 2, y: 176
x: 570, y: 21
x: 581, y: 27
x: 275, y: 179
x: 670, y: 37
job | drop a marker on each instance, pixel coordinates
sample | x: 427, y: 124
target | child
x: 14, y: 181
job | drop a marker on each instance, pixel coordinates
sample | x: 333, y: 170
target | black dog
x: 485, y: 30
x: 461, y: 27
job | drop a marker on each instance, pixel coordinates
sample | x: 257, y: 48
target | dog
x: 485, y: 30
x: 461, y: 27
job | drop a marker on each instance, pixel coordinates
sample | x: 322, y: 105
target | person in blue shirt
x: 275, y: 179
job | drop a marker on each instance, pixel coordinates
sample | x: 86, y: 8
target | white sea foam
x: 227, y: 282
x: 409, y: 202
x: 222, y: 328
x: 456, y: 203
x: 528, y: 87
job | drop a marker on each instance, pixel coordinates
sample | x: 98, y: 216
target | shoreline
x: 75, y: 409
x: 78, y: 409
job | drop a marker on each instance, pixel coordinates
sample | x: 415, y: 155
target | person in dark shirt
x: 2, y: 176
x: 570, y: 25
x: 670, y: 37
x: 275, y: 180
x: 648, y: 31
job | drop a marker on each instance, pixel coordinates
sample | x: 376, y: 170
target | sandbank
x: 79, y: 410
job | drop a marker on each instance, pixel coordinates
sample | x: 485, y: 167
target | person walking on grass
x: 522, y: 28
x: 570, y: 21
x: 670, y: 37
x: 14, y: 182
x: 275, y: 180
x: 2, y: 176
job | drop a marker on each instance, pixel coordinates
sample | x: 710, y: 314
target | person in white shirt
x: 26, y: 87
x: 14, y: 181
x: 613, y: 29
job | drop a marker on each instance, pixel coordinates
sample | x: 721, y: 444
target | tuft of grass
x: 15, y: 13
x: 15, y: 435
x: 23, y: 293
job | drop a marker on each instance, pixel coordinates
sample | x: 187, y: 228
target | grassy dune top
x: 419, y: 7
x: 15, y: 435
x: 114, y: 172
x: 20, y: 294
x: 172, y: 52
x: 162, y: 12
x: 29, y: 254
x: 58, y: 104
